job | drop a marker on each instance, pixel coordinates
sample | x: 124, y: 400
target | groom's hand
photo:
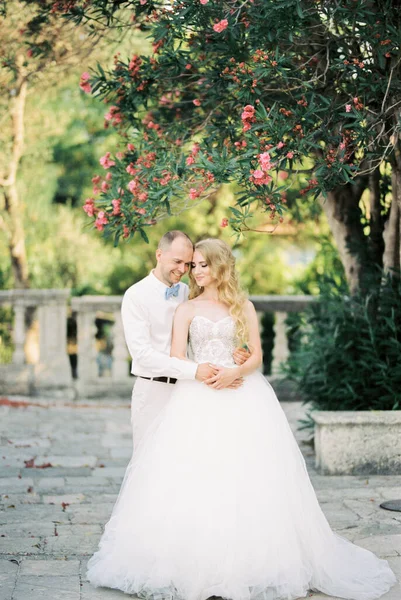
x: 240, y: 355
x: 206, y: 371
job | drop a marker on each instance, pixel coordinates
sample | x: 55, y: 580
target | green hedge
x: 347, y: 353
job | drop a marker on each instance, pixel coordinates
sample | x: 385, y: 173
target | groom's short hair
x: 169, y: 237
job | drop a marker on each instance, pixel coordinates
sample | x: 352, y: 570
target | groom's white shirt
x: 148, y: 320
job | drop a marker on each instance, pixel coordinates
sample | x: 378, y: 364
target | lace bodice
x: 212, y: 341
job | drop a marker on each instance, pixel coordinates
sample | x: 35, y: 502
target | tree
x: 236, y: 91
x: 37, y: 51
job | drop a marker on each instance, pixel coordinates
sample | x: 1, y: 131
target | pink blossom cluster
x: 134, y: 65
x: 106, y: 162
x: 260, y: 176
x: 248, y: 117
x: 116, y: 203
x: 84, y: 83
x: 220, y: 26
x: 101, y: 220
x: 114, y: 116
x: 89, y: 207
x: 194, y: 151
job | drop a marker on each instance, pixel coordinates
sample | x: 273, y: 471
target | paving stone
x: 8, y: 575
x: 90, y: 513
x: 67, y: 461
x: 382, y: 545
x: 21, y: 546
x: 22, y: 498
x: 49, y: 483
x: 26, y: 529
x: 65, y: 498
x: 88, y: 592
x: 85, y: 482
x: 124, y: 452
x: 64, y: 546
x: 49, y: 567
x: 13, y: 484
x: 33, y: 512
x: 47, y: 588
x: 113, y: 472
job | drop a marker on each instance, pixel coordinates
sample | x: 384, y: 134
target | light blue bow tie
x: 172, y: 291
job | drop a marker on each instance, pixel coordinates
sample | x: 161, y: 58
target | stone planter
x: 358, y: 443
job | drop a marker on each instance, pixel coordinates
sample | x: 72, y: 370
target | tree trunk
x: 13, y: 221
x: 344, y: 217
x: 16, y: 238
x: 392, y: 232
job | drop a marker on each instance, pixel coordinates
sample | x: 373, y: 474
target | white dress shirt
x: 148, y: 320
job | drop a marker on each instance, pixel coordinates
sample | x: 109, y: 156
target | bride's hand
x: 224, y: 378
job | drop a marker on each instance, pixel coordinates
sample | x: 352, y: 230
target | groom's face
x: 174, y: 261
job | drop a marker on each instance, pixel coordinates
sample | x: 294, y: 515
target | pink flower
x: 101, y: 220
x: 204, y: 1
x: 190, y: 160
x: 105, y: 186
x: 193, y: 193
x: 133, y: 184
x: 280, y: 145
x: 116, y: 206
x: 197, y: 102
x: 348, y: 108
x: 220, y: 26
x: 290, y: 155
x: 258, y: 174
x: 84, y: 83
x: 119, y: 155
x: 141, y: 211
x: 224, y: 222
x: 96, y: 179
x: 89, y: 207
x: 130, y: 147
x: 283, y: 175
x: 106, y: 162
x: 265, y: 161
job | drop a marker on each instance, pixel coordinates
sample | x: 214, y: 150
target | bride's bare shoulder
x: 185, y: 310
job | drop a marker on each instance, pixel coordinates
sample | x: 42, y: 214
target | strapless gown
x: 217, y: 501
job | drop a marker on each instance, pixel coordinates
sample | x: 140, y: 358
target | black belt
x: 162, y: 379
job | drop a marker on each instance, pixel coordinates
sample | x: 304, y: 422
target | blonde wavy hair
x: 221, y: 262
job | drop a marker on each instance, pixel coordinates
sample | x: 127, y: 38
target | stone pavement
x: 61, y: 466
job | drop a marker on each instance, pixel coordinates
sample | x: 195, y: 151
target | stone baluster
x: 87, y: 367
x: 280, y: 350
x: 53, y: 369
x: 19, y: 334
x: 120, y: 354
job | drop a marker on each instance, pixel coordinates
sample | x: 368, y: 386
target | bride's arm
x: 182, y: 319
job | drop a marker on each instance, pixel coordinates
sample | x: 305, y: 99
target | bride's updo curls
x: 221, y: 262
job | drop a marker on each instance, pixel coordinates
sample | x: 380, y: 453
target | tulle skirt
x: 217, y: 501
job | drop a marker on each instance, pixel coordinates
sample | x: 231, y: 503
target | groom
x: 147, y: 311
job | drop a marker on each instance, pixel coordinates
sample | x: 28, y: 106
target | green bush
x: 348, y: 352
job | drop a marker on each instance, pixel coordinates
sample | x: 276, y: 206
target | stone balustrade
x: 50, y: 372
x: 51, y: 369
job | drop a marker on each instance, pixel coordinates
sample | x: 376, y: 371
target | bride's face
x: 201, y: 270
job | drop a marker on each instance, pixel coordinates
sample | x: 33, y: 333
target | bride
x: 216, y: 500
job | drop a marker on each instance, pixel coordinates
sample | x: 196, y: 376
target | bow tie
x: 172, y: 291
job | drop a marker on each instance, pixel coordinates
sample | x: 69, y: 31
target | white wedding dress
x: 217, y: 501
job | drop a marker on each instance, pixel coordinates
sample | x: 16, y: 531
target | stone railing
x: 50, y: 369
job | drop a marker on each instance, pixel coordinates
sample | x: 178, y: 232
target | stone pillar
x: 280, y: 350
x: 53, y: 369
x: 19, y: 334
x: 87, y: 367
x: 120, y: 365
